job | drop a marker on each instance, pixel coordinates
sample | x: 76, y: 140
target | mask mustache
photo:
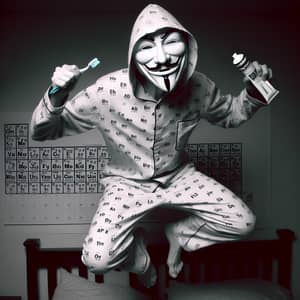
x: 163, y: 67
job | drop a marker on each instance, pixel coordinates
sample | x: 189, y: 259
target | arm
x: 55, y: 116
x: 232, y: 111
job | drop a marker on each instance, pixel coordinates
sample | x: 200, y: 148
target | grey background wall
x: 37, y: 36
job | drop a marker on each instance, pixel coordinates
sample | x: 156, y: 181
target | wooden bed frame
x: 270, y: 260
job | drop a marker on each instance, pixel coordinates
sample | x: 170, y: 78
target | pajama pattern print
x: 146, y: 138
x: 216, y: 215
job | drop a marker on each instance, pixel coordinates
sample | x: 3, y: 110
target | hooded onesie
x: 146, y: 139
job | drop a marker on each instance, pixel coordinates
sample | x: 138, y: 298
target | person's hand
x: 262, y: 71
x: 65, y: 77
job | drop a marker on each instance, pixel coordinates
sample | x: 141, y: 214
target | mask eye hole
x: 171, y: 42
x: 145, y: 45
x: 173, y: 37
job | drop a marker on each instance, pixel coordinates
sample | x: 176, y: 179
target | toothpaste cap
x: 237, y: 58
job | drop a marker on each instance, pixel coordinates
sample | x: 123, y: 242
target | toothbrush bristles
x: 94, y: 63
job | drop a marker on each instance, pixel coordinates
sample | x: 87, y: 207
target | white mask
x: 161, y: 57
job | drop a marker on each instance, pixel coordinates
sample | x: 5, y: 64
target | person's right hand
x: 65, y: 77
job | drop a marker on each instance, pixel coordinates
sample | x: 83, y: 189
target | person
x: 146, y: 113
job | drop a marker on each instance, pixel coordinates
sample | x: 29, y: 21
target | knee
x: 97, y: 259
x: 96, y: 262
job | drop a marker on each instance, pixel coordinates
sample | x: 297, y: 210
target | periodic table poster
x: 51, y: 169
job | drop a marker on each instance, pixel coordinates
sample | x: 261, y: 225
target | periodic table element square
x: 22, y: 165
x: 68, y: 165
x: 34, y: 153
x: 91, y: 164
x: 69, y: 187
x: 34, y: 188
x: 45, y: 153
x: 101, y: 164
x: 11, y: 165
x: 80, y: 176
x: 22, y: 177
x: 23, y: 188
x: 225, y: 149
x: 57, y: 188
x: 57, y: 176
x: 214, y: 149
x: 22, y: 142
x: 22, y: 153
x: 22, y: 130
x: 46, y: 188
x: 80, y: 187
x: 80, y: 164
x: 236, y: 162
x: 103, y: 153
x: 11, y: 176
x: 224, y: 162
x: 202, y: 150
x: 10, y: 188
x: 46, y: 176
x: 91, y: 176
x: 236, y: 148
x: 80, y: 153
x: 10, y: 142
x: 92, y: 187
x: 33, y: 165
x: 68, y: 153
x: 192, y: 150
x: 68, y: 176
x: 10, y: 130
x: 34, y: 177
x: 57, y: 165
x: 45, y: 165
x: 57, y: 153
x: 91, y: 152
x: 11, y: 154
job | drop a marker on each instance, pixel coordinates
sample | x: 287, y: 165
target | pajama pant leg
x: 110, y: 240
x: 217, y: 215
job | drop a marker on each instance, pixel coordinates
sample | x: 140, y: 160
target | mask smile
x: 166, y: 69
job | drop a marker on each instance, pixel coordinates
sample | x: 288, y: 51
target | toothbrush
x: 92, y: 64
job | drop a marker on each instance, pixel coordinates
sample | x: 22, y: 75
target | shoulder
x: 199, y: 79
x: 113, y: 79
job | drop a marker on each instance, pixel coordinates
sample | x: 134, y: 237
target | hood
x: 152, y: 18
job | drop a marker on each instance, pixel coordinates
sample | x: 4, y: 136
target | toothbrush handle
x: 54, y: 89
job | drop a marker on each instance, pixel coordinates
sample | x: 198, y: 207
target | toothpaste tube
x: 263, y: 86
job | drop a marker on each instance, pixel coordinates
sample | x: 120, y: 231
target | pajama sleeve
x: 226, y: 110
x: 76, y: 116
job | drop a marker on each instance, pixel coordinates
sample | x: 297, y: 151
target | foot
x: 148, y: 276
x: 174, y: 256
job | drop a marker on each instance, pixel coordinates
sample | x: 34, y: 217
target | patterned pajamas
x: 146, y: 139
x: 216, y: 215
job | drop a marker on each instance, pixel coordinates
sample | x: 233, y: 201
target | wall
x: 36, y: 38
